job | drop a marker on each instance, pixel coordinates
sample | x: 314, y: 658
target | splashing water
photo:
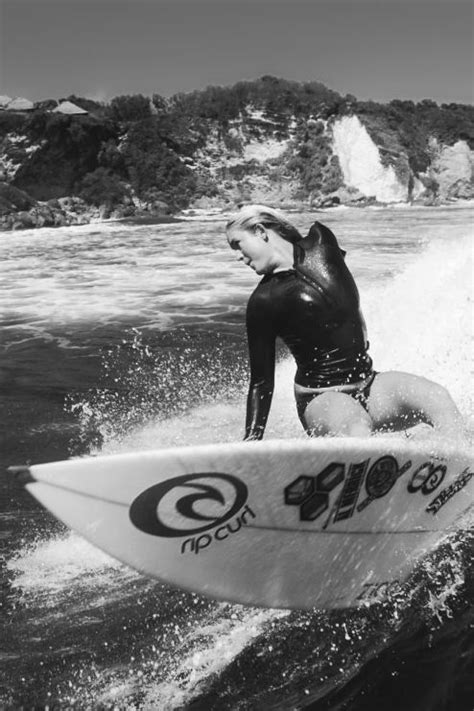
x: 164, y: 395
x: 421, y: 321
x: 49, y: 568
x: 136, y: 643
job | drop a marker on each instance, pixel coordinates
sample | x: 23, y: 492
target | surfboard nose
x: 22, y: 474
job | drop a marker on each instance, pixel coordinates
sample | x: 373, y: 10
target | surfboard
x: 325, y: 523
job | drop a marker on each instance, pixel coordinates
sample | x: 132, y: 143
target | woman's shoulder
x: 320, y: 240
x: 272, y: 287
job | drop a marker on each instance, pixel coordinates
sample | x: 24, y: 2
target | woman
x: 308, y: 298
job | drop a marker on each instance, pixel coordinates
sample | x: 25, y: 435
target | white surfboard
x: 324, y: 523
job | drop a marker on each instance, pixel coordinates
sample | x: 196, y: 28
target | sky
x: 374, y: 49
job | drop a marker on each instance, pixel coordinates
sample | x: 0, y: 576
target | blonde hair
x: 249, y: 216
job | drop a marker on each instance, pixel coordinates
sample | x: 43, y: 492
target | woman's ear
x: 261, y: 232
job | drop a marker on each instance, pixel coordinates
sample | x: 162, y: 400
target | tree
x: 160, y: 104
x: 102, y: 187
x: 130, y: 108
x: 151, y: 163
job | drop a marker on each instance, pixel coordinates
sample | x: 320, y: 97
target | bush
x: 12, y: 199
x: 46, y: 105
x: 275, y: 96
x: 110, y: 157
x: 102, y: 187
x: 130, y: 108
x: 69, y: 150
x: 12, y: 123
x: 150, y: 162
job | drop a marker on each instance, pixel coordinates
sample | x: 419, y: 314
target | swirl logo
x: 188, y: 504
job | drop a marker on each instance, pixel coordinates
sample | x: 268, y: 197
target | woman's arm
x: 261, y: 342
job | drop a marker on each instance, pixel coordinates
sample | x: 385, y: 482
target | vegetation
x: 151, y: 163
x: 313, y: 162
x: 12, y: 122
x: 145, y: 147
x: 102, y: 187
x: 274, y: 96
x: 404, y: 124
x: 68, y: 149
x: 130, y: 108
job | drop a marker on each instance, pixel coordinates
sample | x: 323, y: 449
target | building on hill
x: 4, y: 101
x: 67, y: 107
x: 20, y: 104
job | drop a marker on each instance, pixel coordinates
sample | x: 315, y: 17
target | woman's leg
x: 399, y: 400
x: 334, y: 413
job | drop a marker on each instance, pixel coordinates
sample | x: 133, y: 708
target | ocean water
x: 127, y: 337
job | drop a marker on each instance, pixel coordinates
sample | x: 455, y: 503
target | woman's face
x: 255, y: 249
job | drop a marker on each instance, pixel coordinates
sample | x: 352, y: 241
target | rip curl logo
x: 189, y: 504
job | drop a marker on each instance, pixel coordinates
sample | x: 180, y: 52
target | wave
x: 149, y: 646
x: 421, y: 320
x: 139, y: 644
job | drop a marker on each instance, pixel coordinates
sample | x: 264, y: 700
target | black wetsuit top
x: 314, y: 309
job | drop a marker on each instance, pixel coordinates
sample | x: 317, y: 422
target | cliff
x: 273, y: 141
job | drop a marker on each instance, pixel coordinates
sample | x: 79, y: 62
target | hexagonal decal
x: 299, y: 490
x: 330, y: 477
x: 311, y: 493
x: 314, y: 506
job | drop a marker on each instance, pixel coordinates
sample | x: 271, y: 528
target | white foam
x: 421, y: 320
x: 51, y: 567
x: 212, y: 648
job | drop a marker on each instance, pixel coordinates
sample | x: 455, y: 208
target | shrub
x: 150, y: 162
x: 102, y: 187
x: 130, y: 108
x: 69, y: 150
x: 12, y: 123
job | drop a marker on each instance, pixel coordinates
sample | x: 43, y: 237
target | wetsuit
x: 314, y: 309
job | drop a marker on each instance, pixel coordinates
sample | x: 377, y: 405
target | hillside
x: 284, y: 143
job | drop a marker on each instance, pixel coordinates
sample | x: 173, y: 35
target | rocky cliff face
x: 248, y: 160
x: 259, y: 159
x: 264, y: 141
x: 452, y: 169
